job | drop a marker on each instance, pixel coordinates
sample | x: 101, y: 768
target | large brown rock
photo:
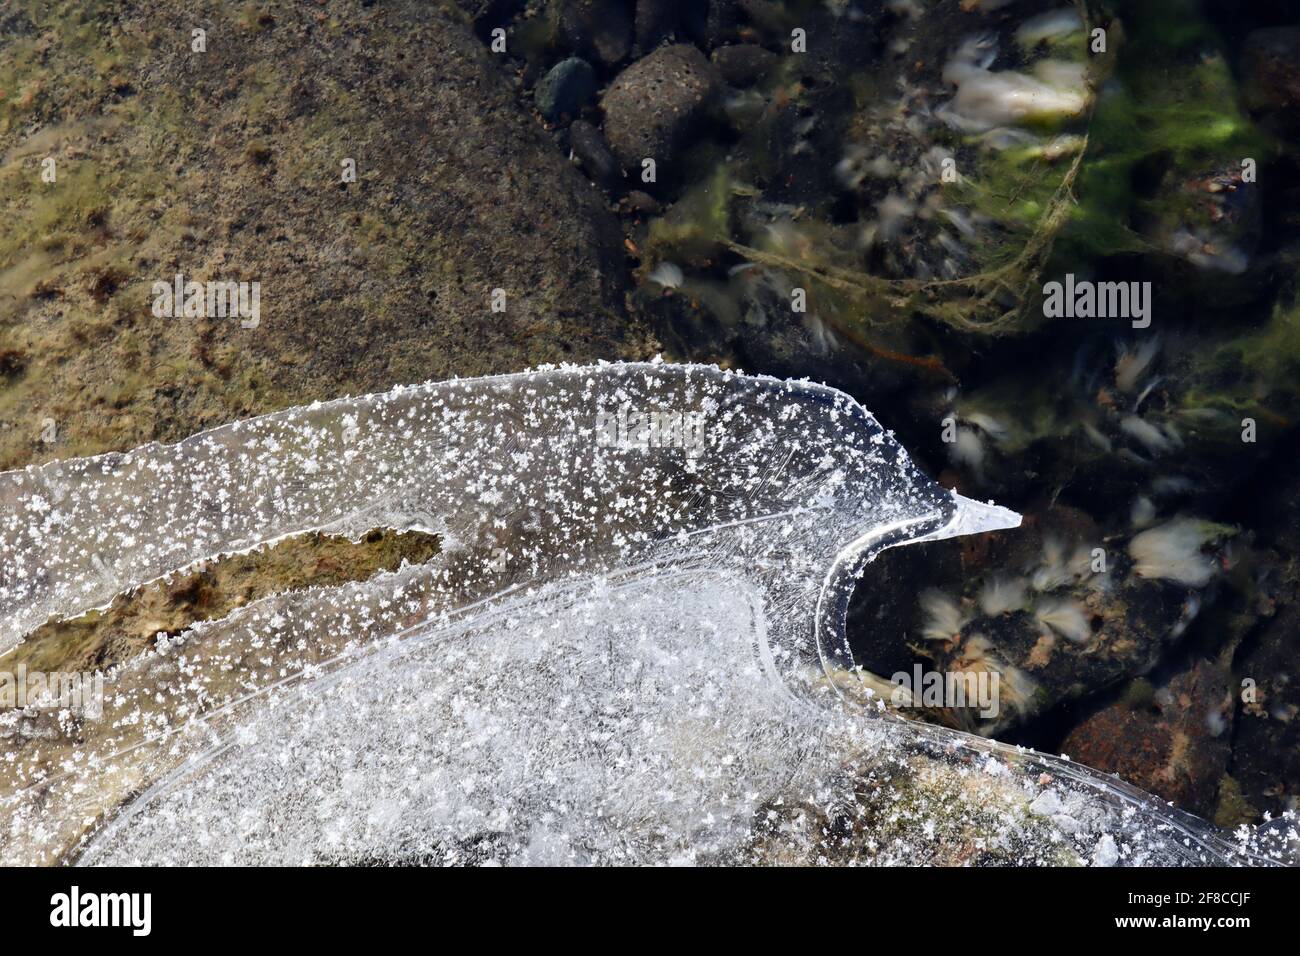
x: 226, y: 165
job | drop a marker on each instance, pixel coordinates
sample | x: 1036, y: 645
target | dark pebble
x: 597, y: 29
x: 743, y: 64
x: 656, y: 21
x: 590, y: 150
x: 566, y: 89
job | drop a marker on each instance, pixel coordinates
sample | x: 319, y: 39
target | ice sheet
x: 631, y: 649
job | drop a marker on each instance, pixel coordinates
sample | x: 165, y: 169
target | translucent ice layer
x: 631, y: 648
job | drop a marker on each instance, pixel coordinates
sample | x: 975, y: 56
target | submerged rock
x: 716, y: 22
x: 656, y: 21
x: 591, y: 150
x: 743, y: 64
x: 234, y: 172
x: 566, y: 89
x: 650, y: 106
x: 601, y: 29
x: 1173, y: 740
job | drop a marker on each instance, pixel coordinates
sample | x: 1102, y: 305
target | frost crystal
x: 631, y: 648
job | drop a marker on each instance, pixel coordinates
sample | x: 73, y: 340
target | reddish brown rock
x: 1173, y: 743
x: 1266, y: 743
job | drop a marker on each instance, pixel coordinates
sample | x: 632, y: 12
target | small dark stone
x: 714, y: 23
x: 744, y: 63
x: 651, y: 105
x: 1271, y: 75
x: 642, y: 202
x: 566, y: 89
x: 591, y: 151
x: 597, y: 29
x: 656, y: 21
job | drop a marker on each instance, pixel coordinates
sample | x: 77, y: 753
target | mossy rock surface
x: 227, y: 165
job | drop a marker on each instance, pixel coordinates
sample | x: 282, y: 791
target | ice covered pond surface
x: 631, y: 648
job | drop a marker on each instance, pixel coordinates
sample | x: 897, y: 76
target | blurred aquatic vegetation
x: 976, y: 156
x: 1063, y: 610
x: 1167, y: 145
x: 1146, y: 416
x: 952, y: 181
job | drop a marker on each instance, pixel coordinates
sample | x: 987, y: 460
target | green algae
x: 1026, y: 196
x: 698, y: 225
x: 1172, y: 113
x: 1254, y: 375
x: 1233, y: 809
